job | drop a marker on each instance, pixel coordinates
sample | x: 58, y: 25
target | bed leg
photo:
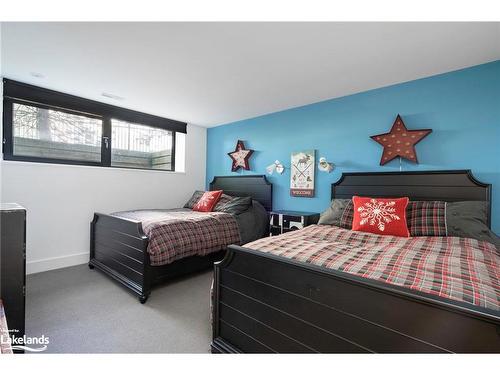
x: 91, y: 266
x: 143, y: 298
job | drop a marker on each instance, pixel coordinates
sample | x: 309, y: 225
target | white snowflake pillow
x: 385, y: 216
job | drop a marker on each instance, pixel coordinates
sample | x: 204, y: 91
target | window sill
x: 57, y: 165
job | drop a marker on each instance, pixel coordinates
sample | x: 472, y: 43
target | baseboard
x: 56, y: 262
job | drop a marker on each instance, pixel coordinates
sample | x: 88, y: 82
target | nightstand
x: 286, y: 221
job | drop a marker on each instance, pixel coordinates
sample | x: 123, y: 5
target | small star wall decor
x: 240, y: 157
x: 400, y: 142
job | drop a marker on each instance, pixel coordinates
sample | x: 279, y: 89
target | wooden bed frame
x: 265, y: 303
x: 118, y: 246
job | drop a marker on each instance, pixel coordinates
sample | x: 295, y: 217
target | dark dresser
x: 13, y: 265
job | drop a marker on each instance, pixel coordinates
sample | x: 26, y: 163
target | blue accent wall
x: 462, y: 108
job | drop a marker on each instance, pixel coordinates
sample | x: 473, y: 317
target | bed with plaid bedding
x: 180, y: 233
x: 460, y: 269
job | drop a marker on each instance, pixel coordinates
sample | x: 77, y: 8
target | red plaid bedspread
x: 179, y: 234
x: 461, y: 269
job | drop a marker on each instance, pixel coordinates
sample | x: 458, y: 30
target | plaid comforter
x: 461, y: 269
x: 177, y: 234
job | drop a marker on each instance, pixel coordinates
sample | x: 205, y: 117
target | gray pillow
x: 253, y: 223
x: 469, y: 219
x: 333, y: 214
x: 194, y: 199
x: 235, y: 206
x: 224, y: 199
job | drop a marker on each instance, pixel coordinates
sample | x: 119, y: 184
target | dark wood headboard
x: 255, y: 186
x: 449, y: 186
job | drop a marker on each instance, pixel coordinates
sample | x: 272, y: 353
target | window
x: 51, y: 127
x: 140, y: 146
x: 46, y: 133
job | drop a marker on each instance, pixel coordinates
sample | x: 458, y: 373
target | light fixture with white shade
x: 276, y: 166
x: 324, y: 165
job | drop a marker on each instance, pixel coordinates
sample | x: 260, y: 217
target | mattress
x: 460, y: 269
x: 179, y: 233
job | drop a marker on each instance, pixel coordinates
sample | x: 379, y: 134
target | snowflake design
x: 378, y: 213
x: 205, y: 201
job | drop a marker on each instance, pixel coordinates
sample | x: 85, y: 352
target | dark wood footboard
x: 265, y: 304
x: 118, y: 247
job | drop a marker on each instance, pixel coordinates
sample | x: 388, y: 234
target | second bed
x: 141, y: 248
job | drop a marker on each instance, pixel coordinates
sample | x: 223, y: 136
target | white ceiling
x: 213, y: 73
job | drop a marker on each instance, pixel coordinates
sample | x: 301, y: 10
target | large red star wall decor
x: 240, y: 157
x: 400, y: 142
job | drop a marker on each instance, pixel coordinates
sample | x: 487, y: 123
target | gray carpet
x: 83, y: 311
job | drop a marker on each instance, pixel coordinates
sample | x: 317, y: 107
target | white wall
x: 61, y: 199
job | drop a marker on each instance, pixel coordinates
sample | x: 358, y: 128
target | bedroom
x: 343, y: 177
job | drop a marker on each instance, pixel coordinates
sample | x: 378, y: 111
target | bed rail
x: 266, y: 303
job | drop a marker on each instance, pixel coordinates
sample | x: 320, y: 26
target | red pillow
x: 207, y: 201
x: 386, y: 216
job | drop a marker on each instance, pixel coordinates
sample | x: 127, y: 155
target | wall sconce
x: 276, y: 166
x: 324, y: 165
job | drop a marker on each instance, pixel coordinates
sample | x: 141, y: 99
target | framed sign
x: 302, y: 174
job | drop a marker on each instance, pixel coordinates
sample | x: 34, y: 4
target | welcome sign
x: 302, y: 174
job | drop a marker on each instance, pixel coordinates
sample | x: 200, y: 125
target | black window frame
x: 21, y: 93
